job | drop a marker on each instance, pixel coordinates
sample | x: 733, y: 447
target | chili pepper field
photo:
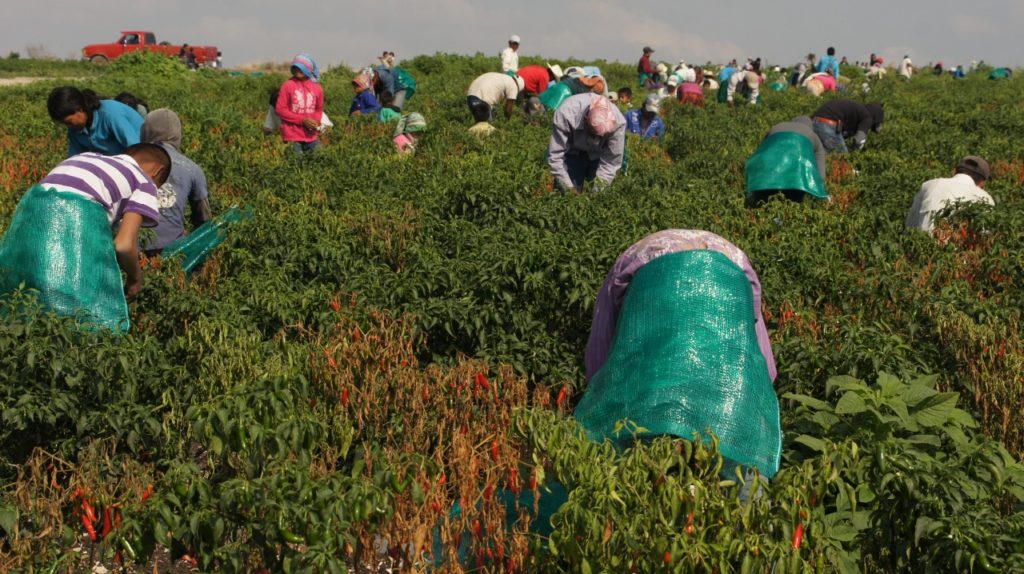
x: 377, y: 372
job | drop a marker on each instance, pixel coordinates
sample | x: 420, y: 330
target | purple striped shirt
x: 115, y: 182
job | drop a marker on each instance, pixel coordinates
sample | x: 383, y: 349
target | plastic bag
x: 198, y: 245
x: 785, y: 161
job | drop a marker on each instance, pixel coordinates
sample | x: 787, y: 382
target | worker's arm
x: 610, y: 161
x: 558, y: 145
x: 510, y: 105
x: 126, y: 246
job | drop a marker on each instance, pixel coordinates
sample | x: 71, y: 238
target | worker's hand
x: 860, y: 139
x: 310, y: 124
x: 601, y: 185
x: 131, y: 289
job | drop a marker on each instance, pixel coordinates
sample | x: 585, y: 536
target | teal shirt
x: 114, y: 128
x: 387, y: 114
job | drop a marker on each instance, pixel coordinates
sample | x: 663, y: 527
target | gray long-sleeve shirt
x: 803, y: 126
x: 569, y: 133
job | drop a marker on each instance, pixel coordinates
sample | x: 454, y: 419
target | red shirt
x: 644, y: 66
x: 535, y: 78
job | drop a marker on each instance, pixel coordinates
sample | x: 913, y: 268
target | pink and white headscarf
x: 601, y: 119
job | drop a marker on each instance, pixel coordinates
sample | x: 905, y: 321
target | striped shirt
x: 115, y: 182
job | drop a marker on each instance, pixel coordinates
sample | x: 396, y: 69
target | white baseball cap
x: 513, y: 39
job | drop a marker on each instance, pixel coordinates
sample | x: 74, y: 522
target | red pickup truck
x: 134, y: 40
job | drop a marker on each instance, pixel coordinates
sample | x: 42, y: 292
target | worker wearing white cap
x: 510, y: 55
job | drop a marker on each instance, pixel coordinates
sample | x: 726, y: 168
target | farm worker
x: 129, y: 99
x: 838, y: 119
x: 59, y: 241
x: 678, y: 345
x: 646, y: 121
x: 747, y: 82
x: 300, y: 104
x: 536, y: 80
x: 790, y: 161
x: 186, y: 184
x: 510, y: 55
x: 643, y: 68
x: 482, y: 126
x: 958, y: 73
x: 387, y: 58
x: 876, y: 70
x: 624, y: 96
x: 1000, y: 74
x: 407, y: 132
x: 388, y: 112
x: 669, y: 88
x: 102, y: 126
x: 588, y: 139
x: 818, y: 83
x: 966, y: 186
x: 395, y: 80
x: 906, y: 68
x: 691, y: 91
x: 364, y: 101
x: 491, y: 89
x: 829, y: 64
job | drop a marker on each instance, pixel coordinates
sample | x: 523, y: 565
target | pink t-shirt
x: 827, y: 82
x: 691, y: 88
x: 295, y: 102
x: 405, y: 144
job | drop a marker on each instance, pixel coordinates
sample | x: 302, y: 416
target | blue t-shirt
x: 388, y: 78
x: 829, y: 64
x: 656, y: 129
x: 186, y: 183
x: 114, y: 128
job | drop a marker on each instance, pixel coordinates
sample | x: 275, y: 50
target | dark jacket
x: 854, y: 116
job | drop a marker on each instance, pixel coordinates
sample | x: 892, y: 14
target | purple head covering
x: 304, y: 62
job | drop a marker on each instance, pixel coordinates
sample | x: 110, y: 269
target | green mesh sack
x: 195, y: 247
x: 406, y: 82
x: 60, y: 244
x: 685, y: 360
x: 785, y: 161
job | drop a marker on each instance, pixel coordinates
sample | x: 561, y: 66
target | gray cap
x: 974, y: 165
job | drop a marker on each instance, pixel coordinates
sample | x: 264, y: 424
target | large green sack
x: 685, y: 360
x: 555, y: 95
x: 406, y: 82
x: 785, y: 160
x: 60, y: 244
x: 195, y: 247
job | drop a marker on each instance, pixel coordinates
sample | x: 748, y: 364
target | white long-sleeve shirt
x: 569, y: 133
x: 509, y: 60
x: 936, y: 194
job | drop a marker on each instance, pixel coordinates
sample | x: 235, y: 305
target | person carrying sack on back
x: 678, y: 346
x: 58, y: 241
x: 185, y: 185
x: 790, y: 161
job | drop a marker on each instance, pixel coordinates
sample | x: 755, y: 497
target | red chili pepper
x: 798, y: 535
x: 147, y: 493
x: 117, y: 518
x: 335, y: 305
x: 344, y: 397
x: 436, y: 506
x: 355, y: 334
x: 107, y: 522
x: 668, y: 558
x: 494, y: 450
x: 533, y: 481
x: 513, y: 480
x: 689, y: 524
x: 88, y: 511
x: 442, y: 480
x: 88, y: 527
x: 463, y: 429
x: 478, y: 529
x: 563, y: 394
x: 426, y: 394
x: 488, y: 492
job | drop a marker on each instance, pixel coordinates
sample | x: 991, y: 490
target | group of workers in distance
x: 125, y: 171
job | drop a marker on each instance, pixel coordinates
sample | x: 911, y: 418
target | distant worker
x: 877, y: 69
x: 364, y: 102
x: 746, y: 82
x: 300, y: 105
x: 966, y: 186
x: 536, y: 79
x: 790, y: 161
x: 644, y: 69
x: 185, y: 185
x: 407, y: 133
x: 829, y: 64
x: 1000, y: 74
x: 818, y: 83
x: 938, y: 68
x: 492, y: 89
x: 103, y: 126
x: 588, y: 140
x: 510, y: 55
x: 691, y: 92
x: 838, y: 119
x: 388, y: 112
x: 645, y: 121
x: 958, y: 72
x: 906, y: 68
x: 59, y: 239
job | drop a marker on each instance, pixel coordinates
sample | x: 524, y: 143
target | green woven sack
x: 685, y: 360
x: 555, y: 95
x: 195, y: 247
x: 60, y: 244
x: 785, y: 161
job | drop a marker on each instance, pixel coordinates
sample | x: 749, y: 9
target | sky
x: 342, y: 32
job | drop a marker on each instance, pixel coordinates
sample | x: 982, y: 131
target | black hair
x: 625, y: 90
x: 756, y: 65
x: 148, y: 152
x: 272, y: 100
x: 66, y: 100
x: 131, y: 100
x: 831, y: 51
